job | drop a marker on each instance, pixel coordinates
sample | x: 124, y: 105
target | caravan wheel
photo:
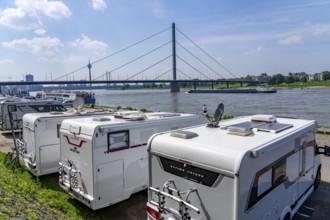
x: 317, y: 180
x: 287, y: 217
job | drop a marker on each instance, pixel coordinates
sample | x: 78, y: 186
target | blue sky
x: 52, y: 38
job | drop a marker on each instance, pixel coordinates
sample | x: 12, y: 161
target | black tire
x: 287, y: 217
x: 8, y: 159
x: 317, y: 180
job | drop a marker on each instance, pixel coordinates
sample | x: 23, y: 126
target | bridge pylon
x: 175, y: 86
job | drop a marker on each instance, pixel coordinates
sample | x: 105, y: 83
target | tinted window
x: 118, y: 141
x: 266, y: 180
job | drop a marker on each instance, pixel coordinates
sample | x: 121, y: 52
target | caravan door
x: 306, y: 165
x: 110, y: 182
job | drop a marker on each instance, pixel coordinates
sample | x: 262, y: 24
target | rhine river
x: 299, y: 103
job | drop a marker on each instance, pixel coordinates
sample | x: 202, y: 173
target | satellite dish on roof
x: 218, y: 113
x: 78, y: 104
x: 217, y: 117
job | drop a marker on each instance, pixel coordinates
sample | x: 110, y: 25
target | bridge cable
x: 192, y: 67
x: 149, y: 67
x: 163, y: 73
x: 199, y: 60
x: 119, y: 51
x: 183, y: 73
x: 206, y: 53
x: 143, y: 55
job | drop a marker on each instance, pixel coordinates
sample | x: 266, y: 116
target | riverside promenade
x: 134, y: 208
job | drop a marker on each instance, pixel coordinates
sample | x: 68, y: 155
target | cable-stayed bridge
x: 172, y: 61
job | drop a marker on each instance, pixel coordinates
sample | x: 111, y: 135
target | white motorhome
x: 41, y: 140
x: 104, y: 159
x: 23, y: 107
x: 255, y: 167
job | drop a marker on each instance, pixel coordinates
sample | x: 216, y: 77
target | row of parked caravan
x: 101, y: 156
x: 256, y: 167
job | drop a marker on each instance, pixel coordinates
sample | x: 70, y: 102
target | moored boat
x: 259, y: 89
x: 89, y: 97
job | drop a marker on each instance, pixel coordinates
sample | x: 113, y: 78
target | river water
x: 299, y: 103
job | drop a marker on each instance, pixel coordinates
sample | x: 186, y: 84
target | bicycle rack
x: 184, y: 204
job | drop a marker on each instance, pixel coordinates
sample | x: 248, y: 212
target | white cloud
x: 52, y: 9
x: 88, y: 44
x: 74, y: 59
x: 44, y: 48
x: 18, y: 19
x: 99, y: 5
x: 40, y: 31
x: 7, y: 61
x: 258, y: 49
x: 320, y: 29
x: 26, y: 14
x: 290, y: 40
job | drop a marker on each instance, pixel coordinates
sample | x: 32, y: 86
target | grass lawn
x: 24, y: 196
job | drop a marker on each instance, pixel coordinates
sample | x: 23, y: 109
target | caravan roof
x: 67, y: 113
x: 88, y: 125
x: 223, y: 148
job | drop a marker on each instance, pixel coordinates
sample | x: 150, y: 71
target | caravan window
x: 118, y: 141
x: 279, y: 173
x: 39, y: 108
x: 266, y: 180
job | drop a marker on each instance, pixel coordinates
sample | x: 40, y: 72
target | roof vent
x: 135, y: 117
x: 122, y: 114
x: 263, y: 118
x: 240, y: 131
x: 56, y: 113
x: 183, y: 134
x: 101, y: 119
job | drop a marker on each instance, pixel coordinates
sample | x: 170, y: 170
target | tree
x: 326, y: 75
x: 289, y: 79
x: 276, y: 79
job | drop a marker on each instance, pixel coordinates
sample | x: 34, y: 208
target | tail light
x: 152, y: 212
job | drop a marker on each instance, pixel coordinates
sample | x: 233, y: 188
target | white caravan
x: 41, y: 140
x: 23, y: 107
x: 255, y: 167
x: 104, y: 159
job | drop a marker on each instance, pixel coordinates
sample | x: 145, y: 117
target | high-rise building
x: 29, y: 78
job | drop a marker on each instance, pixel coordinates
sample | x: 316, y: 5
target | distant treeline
x: 278, y: 79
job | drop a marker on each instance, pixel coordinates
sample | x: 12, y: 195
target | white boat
x: 89, y: 97
x: 263, y: 89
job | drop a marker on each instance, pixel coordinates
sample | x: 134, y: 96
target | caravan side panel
x: 48, y: 145
x: 269, y: 184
